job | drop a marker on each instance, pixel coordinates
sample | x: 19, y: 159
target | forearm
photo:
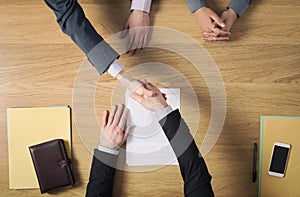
x: 102, y: 174
x: 74, y: 23
x: 192, y: 166
x: 195, y: 173
x: 194, y: 5
x: 239, y: 6
x: 131, y: 84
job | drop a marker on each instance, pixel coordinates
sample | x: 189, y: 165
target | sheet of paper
x: 30, y: 126
x: 147, y: 143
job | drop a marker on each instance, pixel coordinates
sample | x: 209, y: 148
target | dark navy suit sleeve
x: 102, y: 174
x: 197, y: 180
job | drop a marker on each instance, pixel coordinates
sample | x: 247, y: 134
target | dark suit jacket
x: 73, y: 22
x: 192, y: 166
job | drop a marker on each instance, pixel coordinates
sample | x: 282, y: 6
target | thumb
x: 227, y: 26
x: 127, y: 131
x: 218, y: 20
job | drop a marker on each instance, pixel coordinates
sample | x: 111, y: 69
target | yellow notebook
x: 279, y: 129
x: 30, y: 126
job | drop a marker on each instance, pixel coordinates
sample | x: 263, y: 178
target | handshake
x: 145, y: 93
x: 114, y: 131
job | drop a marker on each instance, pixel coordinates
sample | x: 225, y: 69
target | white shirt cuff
x: 143, y: 5
x: 108, y: 150
x: 163, y: 113
x: 115, y: 68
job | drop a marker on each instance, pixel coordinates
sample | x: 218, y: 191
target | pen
x: 254, y: 162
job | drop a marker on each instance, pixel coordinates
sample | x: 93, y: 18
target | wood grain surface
x: 260, y: 67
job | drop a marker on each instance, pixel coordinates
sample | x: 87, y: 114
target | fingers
x: 134, y: 49
x: 118, y: 114
x: 227, y: 27
x: 217, y: 19
x: 145, y: 41
x: 164, y: 95
x: 143, y: 81
x: 140, y: 43
x: 123, y: 119
x: 111, y: 115
x: 144, y: 90
x: 136, y: 41
x: 148, y: 92
x: 104, y: 119
x: 124, y: 31
x: 148, y: 89
x: 220, y: 32
x: 137, y: 97
x: 216, y: 32
x: 215, y: 25
x: 131, y: 42
x: 215, y: 38
x: 153, y: 88
x: 127, y: 131
x: 210, y: 34
x: 144, y: 38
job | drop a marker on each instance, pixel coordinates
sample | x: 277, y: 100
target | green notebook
x: 279, y: 129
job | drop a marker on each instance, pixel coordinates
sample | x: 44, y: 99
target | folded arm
x: 239, y: 6
x: 214, y: 27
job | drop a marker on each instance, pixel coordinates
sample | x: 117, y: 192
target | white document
x: 147, y: 143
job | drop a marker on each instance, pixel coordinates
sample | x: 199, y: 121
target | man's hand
x: 138, y: 31
x: 229, y: 16
x: 154, y: 103
x: 134, y: 85
x: 113, y: 133
x: 209, y: 22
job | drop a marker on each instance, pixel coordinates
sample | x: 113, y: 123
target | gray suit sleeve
x: 74, y: 23
x: 239, y: 6
x: 194, y: 5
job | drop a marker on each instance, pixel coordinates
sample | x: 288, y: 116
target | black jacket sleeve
x: 192, y: 165
x: 102, y: 174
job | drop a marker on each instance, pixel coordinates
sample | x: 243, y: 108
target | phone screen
x: 279, y: 159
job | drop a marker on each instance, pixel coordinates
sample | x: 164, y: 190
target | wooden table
x: 259, y: 67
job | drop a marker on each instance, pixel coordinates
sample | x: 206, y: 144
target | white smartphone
x: 279, y: 159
